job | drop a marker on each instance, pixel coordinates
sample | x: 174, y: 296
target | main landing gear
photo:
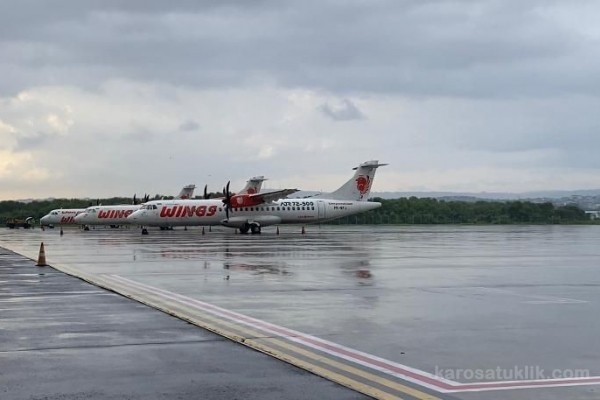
x: 254, y: 228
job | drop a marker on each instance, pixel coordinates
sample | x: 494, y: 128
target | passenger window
x: 278, y: 209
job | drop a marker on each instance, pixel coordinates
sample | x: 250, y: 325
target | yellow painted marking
x: 325, y: 360
x: 290, y: 359
x: 248, y: 332
x: 180, y: 311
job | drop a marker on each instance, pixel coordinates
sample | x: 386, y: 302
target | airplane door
x: 321, y: 209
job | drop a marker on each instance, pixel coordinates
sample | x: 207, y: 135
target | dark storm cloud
x: 32, y: 142
x: 345, y: 111
x: 189, y: 126
x: 453, y: 92
x: 448, y: 48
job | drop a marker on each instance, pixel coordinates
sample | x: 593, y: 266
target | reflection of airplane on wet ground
x: 116, y: 215
x: 250, y: 212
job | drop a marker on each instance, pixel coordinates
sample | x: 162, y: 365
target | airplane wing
x: 272, y: 196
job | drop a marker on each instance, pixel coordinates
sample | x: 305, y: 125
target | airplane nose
x: 80, y: 217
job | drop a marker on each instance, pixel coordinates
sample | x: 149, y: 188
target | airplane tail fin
x: 253, y: 185
x: 359, y: 186
x: 187, y: 192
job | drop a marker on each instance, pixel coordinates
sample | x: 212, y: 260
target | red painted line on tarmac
x: 525, y: 384
x: 392, y: 368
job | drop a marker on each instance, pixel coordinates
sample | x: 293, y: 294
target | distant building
x: 593, y: 214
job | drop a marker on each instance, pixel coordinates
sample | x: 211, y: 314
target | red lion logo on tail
x: 363, y: 183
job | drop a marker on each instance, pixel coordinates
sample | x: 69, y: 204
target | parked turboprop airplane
x: 68, y: 216
x: 61, y: 216
x: 250, y: 212
x: 116, y: 215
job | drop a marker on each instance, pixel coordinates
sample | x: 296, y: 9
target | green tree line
x: 411, y: 210
x: 415, y: 210
x: 37, y: 209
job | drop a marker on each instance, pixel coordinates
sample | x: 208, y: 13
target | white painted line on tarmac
x: 391, y: 368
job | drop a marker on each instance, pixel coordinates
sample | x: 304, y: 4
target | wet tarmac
x: 62, y: 338
x: 429, y: 306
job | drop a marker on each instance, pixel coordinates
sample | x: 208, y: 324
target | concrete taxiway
x: 408, y: 312
x: 62, y: 338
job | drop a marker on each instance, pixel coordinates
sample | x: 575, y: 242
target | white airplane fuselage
x: 107, y: 215
x: 64, y: 216
x: 212, y: 212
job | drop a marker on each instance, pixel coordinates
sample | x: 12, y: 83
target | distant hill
x: 588, y: 199
x: 584, y: 199
x: 547, y: 194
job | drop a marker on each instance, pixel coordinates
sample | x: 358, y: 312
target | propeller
x: 206, y: 195
x: 227, y: 199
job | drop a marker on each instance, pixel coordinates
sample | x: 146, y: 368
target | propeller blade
x: 227, y: 199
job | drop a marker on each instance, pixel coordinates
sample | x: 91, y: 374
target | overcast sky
x: 107, y: 98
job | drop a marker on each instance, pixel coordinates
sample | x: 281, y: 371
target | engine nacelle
x: 244, y: 200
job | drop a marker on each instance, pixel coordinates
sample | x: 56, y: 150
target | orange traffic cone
x: 41, y: 257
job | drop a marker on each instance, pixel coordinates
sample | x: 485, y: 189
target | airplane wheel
x: 255, y: 229
x: 245, y: 229
x: 86, y: 228
x: 144, y: 231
